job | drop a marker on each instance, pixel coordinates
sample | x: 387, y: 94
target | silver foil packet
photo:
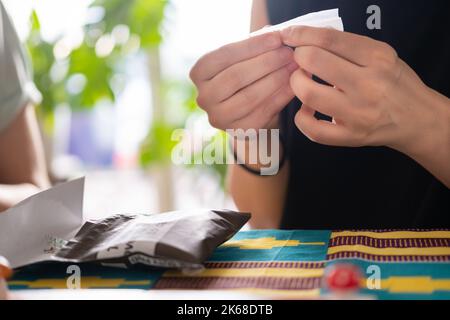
x: 179, y: 239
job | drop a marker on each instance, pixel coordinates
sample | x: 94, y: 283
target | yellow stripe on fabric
x: 415, y: 284
x: 86, y: 282
x: 439, y: 251
x: 251, y: 272
x: 267, y: 243
x: 393, y: 234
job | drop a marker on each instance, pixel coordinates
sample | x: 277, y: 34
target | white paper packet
x: 31, y: 230
x: 50, y: 227
x: 321, y: 19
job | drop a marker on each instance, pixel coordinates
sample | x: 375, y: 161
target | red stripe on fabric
x: 239, y: 282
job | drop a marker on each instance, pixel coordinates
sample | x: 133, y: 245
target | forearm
x: 22, y: 166
x: 431, y: 149
x: 263, y: 196
x: 23, y: 160
x: 10, y: 195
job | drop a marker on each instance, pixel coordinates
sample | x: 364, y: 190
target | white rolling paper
x: 29, y: 231
x: 321, y: 19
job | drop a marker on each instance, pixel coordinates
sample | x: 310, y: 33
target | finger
x: 218, y: 60
x: 248, y: 99
x: 322, y: 98
x: 352, y: 47
x: 263, y: 114
x: 329, y: 67
x: 321, y: 131
x: 242, y: 74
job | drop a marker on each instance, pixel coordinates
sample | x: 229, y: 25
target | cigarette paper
x: 321, y: 19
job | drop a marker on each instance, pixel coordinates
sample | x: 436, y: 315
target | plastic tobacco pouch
x: 179, y: 239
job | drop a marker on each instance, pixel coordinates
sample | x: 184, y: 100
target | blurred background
x: 114, y: 80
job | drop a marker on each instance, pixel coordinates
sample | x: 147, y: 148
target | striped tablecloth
x: 411, y: 264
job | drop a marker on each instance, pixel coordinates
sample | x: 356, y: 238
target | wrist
x: 430, y: 135
x: 260, y: 154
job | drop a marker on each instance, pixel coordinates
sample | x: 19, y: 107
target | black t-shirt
x: 370, y: 187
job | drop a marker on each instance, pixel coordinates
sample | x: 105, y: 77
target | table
x: 410, y: 264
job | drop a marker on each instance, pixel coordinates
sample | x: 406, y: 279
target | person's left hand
x: 375, y: 99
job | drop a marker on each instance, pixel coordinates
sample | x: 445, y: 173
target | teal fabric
x: 285, y: 246
x: 59, y: 271
x: 304, y: 252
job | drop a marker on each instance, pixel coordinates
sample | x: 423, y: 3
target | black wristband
x: 255, y: 171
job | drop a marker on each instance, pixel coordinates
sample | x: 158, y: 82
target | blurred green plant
x: 84, y: 73
x: 220, y: 142
x: 158, y: 145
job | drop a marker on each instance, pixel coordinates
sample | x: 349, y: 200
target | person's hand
x: 375, y: 99
x: 245, y: 84
x: 10, y: 195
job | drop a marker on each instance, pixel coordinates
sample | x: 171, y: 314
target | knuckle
x: 215, y: 120
x: 218, y: 57
x: 201, y: 101
x: 193, y: 74
x: 385, y: 56
x: 221, y: 53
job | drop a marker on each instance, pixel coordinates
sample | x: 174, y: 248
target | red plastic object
x: 343, y: 278
x: 5, y: 269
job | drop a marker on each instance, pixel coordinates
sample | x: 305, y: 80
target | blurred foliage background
x: 123, y: 27
x: 90, y: 71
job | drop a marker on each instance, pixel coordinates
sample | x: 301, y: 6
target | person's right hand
x: 245, y: 84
